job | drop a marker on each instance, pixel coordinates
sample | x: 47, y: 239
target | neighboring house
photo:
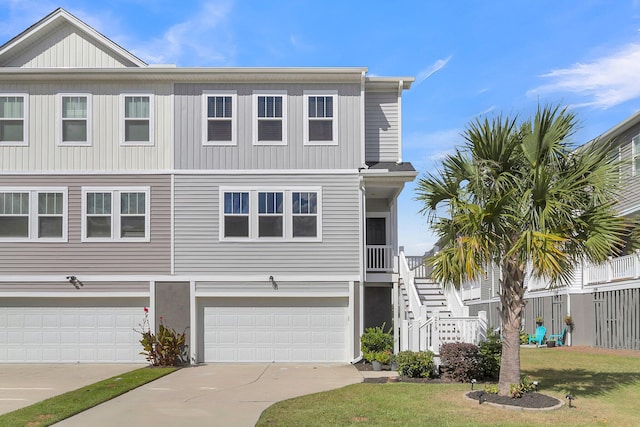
x: 603, y: 300
x: 253, y: 207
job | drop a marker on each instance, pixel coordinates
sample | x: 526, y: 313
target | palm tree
x: 520, y: 197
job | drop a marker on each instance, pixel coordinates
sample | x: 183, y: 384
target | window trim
x: 287, y: 235
x: 25, y: 121
x: 34, y: 215
x: 123, y: 98
x: 116, y: 214
x: 60, y: 121
x: 334, y: 119
x: 256, y: 120
x: 234, y: 117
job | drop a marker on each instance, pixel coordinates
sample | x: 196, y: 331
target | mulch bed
x: 528, y: 400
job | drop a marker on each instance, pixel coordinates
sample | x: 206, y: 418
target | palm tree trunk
x: 512, y: 299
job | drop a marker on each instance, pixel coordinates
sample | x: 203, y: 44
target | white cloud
x: 604, y: 83
x: 432, y: 69
x: 200, y: 40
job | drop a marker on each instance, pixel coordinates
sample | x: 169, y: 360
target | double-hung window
x: 635, y: 155
x: 281, y: 214
x: 320, y: 118
x: 270, y: 118
x: 235, y: 214
x: 13, y: 119
x: 75, y: 125
x: 137, y: 121
x: 33, y: 214
x: 115, y: 214
x: 220, y: 112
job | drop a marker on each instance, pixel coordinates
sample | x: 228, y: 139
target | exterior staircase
x: 432, y: 297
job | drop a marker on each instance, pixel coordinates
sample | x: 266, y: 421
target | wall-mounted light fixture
x: 75, y: 281
x: 274, y: 284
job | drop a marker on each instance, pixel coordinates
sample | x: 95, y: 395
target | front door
x: 377, y: 231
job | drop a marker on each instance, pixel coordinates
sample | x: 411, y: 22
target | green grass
x: 606, y: 387
x: 58, y: 408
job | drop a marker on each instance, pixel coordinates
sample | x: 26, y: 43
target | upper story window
x: 635, y: 154
x: 74, y: 127
x: 137, y: 119
x: 13, y: 119
x: 272, y: 214
x: 33, y: 214
x: 270, y: 123
x: 110, y: 214
x: 320, y: 124
x: 220, y: 120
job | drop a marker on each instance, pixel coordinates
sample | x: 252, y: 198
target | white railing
x: 409, y: 282
x: 436, y: 331
x: 417, y: 264
x: 379, y: 258
x: 615, y: 269
x: 454, y: 301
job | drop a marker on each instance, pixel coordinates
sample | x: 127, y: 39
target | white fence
x: 435, y: 331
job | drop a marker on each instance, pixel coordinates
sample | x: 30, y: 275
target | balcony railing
x: 616, y: 269
x: 379, y: 258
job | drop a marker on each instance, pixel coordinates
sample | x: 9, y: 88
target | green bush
x: 416, y: 364
x: 524, y: 337
x: 376, y: 340
x: 490, y: 355
x: 526, y: 385
x: 460, y: 361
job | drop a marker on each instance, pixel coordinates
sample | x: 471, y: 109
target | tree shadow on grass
x: 581, y: 381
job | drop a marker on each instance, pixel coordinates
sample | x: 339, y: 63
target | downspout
x: 363, y: 114
x: 400, y: 86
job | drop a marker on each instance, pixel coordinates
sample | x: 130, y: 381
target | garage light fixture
x: 274, y: 285
x: 75, y: 281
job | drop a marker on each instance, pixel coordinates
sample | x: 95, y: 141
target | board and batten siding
x: 64, y: 46
x: 382, y: 127
x: 105, y: 153
x: 198, y: 249
x: 75, y: 257
x: 189, y: 116
x: 629, y: 195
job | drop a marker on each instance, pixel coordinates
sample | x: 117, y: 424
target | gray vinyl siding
x: 199, y: 251
x: 64, y: 287
x: 191, y: 154
x: 630, y: 183
x: 75, y: 257
x: 64, y: 46
x: 382, y: 127
x: 265, y: 288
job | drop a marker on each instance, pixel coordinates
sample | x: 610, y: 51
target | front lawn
x: 58, y: 408
x: 606, y: 387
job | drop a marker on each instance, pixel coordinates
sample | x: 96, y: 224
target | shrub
x: 491, y: 388
x: 375, y: 340
x: 460, y: 361
x: 166, y: 348
x: 490, y: 355
x: 524, y: 337
x: 416, y: 364
x: 526, y: 385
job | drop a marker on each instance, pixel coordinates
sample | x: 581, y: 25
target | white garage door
x: 70, y: 332
x: 275, y: 330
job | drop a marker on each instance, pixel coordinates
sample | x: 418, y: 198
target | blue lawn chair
x: 538, y: 337
x: 558, y: 338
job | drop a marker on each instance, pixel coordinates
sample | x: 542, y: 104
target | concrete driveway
x: 24, y: 385
x: 216, y: 395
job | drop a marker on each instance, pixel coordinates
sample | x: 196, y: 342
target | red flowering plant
x: 164, y: 348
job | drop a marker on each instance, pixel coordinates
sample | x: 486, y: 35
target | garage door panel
x: 58, y: 331
x: 295, y: 330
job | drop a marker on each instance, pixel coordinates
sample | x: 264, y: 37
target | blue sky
x: 470, y: 58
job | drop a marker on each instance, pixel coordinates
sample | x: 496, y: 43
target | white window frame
x: 234, y: 117
x: 635, y: 154
x: 223, y: 215
x: 115, y: 214
x: 334, y: 130
x: 256, y: 120
x: 123, y: 98
x: 34, y: 215
x: 287, y: 235
x: 61, y: 119
x: 25, y: 121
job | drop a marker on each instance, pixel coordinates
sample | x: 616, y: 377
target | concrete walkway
x: 24, y: 385
x: 216, y: 395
